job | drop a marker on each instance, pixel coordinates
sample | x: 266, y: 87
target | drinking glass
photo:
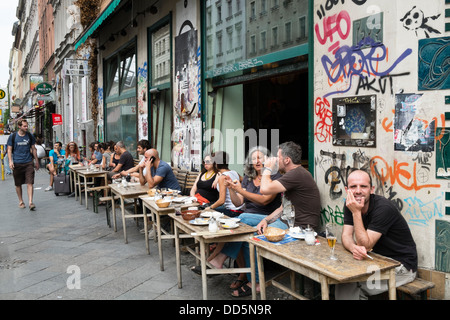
x: 291, y: 219
x: 330, y: 230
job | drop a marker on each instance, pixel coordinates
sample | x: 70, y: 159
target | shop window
x: 354, y: 121
x: 120, y: 98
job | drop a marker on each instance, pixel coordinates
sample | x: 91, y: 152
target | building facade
x: 357, y: 84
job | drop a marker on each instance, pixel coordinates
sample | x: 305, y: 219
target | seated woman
x: 73, y: 152
x: 258, y: 207
x: 224, y: 203
x: 106, y: 155
x: 114, y: 156
x: 203, y: 188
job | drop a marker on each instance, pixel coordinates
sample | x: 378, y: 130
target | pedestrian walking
x: 21, y: 153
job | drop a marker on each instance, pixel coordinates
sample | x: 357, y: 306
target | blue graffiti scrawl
x: 434, y: 64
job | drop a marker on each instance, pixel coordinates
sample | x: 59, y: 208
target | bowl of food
x: 162, y: 203
x: 274, y: 234
x: 190, y: 214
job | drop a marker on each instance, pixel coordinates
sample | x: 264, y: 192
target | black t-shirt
x: 396, y: 241
x: 126, y: 159
x: 251, y: 207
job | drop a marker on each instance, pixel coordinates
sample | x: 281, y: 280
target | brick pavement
x: 38, y: 248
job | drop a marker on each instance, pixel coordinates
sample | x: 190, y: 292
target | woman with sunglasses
x: 203, y: 188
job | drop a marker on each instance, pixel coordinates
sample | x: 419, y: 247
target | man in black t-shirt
x: 372, y: 222
x: 126, y: 161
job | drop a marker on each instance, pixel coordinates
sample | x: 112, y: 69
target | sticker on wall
x: 434, y: 69
x: 443, y: 153
x: 410, y: 132
x: 415, y: 20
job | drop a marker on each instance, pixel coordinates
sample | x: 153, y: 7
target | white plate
x: 225, y: 220
x: 209, y: 214
x: 199, y: 222
x: 229, y: 227
x: 300, y: 235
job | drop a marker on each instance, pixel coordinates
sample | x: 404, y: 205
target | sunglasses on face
x: 207, y: 162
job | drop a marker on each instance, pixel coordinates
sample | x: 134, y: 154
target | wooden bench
x: 191, y: 176
x: 418, y: 287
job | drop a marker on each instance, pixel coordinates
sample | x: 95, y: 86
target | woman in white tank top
x: 224, y: 203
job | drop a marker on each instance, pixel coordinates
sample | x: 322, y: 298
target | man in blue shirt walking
x: 21, y: 152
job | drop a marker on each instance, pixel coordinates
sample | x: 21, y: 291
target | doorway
x: 279, y: 103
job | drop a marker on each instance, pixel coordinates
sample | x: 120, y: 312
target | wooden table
x: 156, y: 213
x: 314, y: 263
x: 87, y: 174
x: 74, y: 177
x: 133, y: 191
x: 200, y: 233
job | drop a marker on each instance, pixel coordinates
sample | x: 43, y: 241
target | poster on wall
x: 186, y: 137
x: 443, y: 153
x: 411, y: 133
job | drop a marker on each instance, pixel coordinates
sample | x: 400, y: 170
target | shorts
x: 23, y: 173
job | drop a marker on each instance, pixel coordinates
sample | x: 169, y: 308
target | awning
x: 97, y: 23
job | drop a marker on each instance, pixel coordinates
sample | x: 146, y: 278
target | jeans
x: 231, y: 249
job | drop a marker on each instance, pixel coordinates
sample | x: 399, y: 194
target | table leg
x: 113, y: 209
x: 324, y: 287
x: 158, y: 234
x: 177, y: 256
x: 85, y: 192
x: 124, y: 226
x: 262, y: 277
x: 252, y: 267
x: 203, y: 264
x: 79, y: 188
x: 145, y: 228
x: 391, y: 284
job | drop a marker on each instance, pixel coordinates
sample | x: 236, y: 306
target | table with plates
x: 201, y: 234
x: 131, y: 191
x: 156, y: 214
x: 313, y: 261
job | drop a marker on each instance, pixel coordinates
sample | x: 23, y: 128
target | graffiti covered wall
x: 381, y: 77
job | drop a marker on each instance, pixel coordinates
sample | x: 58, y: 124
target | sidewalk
x: 39, y: 251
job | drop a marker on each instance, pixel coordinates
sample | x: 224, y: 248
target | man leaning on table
x: 156, y: 172
x: 296, y: 184
x: 372, y: 222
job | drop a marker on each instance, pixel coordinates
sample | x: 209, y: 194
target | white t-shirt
x: 228, y: 203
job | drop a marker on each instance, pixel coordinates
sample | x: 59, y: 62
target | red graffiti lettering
x: 332, y: 25
x: 398, y: 173
x: 324, y: 125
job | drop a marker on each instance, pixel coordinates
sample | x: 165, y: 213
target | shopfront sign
x: 43, y: 88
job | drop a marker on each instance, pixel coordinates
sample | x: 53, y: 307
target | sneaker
x: 49, y: 188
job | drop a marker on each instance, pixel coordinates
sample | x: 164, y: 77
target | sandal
x: 198, y: 270
x: 32, y: 207
x: 242, y: 291
x: 238, y: 283
x: 21, y: 205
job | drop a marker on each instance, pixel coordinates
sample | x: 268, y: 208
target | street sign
x: 2, y: 94
x: 43, y: 88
